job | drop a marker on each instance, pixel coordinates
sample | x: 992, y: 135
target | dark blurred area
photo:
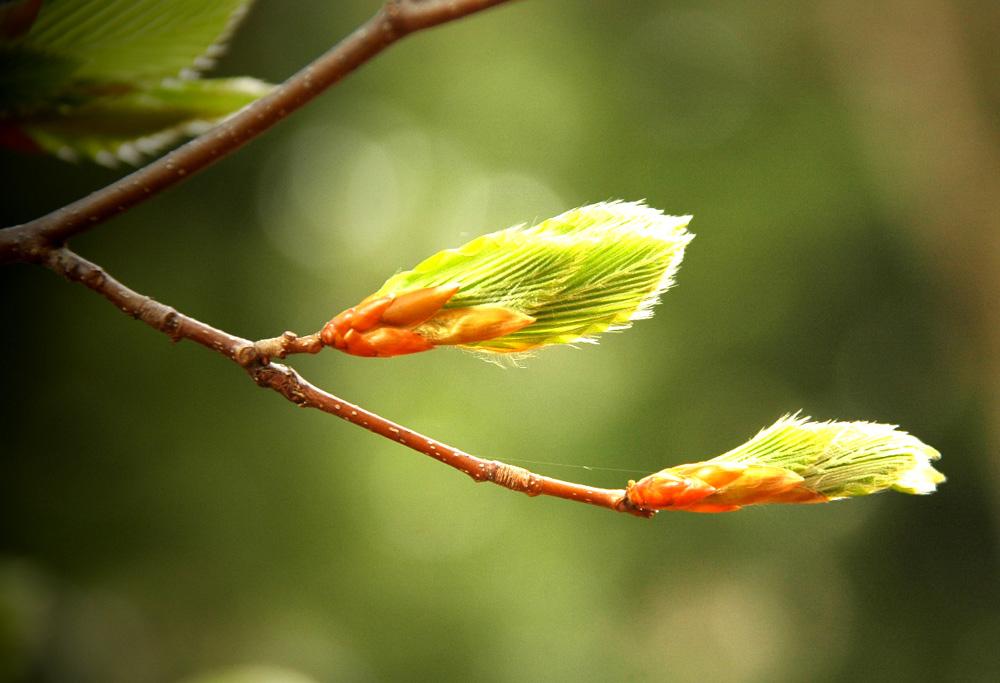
x: 163, y: 520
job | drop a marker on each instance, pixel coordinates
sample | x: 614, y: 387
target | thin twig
x: 397, y: 19
x: 296, y: 389
x: 292, y: 386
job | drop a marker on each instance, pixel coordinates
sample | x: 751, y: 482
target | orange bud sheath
x: 719, y: 487
x: 383, y: 342
x: 668, y: 490
x: 360, y: 318
x: 411, y: 322
x: 413, y: 308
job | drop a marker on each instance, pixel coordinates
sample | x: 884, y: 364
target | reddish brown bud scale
x: 667, y: 491
x: 367, y: 315
x: 413, y: 308
x: 396, y: 342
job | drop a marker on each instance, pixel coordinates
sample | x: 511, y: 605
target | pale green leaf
x: 584, y: 272
x: 840, y: 459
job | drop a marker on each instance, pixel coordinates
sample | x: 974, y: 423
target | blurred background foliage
x: 164, y: 520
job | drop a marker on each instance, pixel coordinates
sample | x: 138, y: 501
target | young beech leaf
x: 125, y: 41
x: 795, y: 461
x: 144, y: 121
x: 114, y: 80
x: 564, y: 280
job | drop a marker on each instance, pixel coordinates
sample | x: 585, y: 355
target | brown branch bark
x: 29, y: 242
x: 287, y: 382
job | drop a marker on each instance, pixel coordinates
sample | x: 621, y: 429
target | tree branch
x: 296, y: 389
x: 397, y: 19
x: 42, y: 241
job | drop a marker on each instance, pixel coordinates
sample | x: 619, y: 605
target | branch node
x: 160, y: 317
x: 514, y: 478
x: 288, y: 343
x: 625, y: 505
x: 280, y: 378
x: 246, y: 356
x: 393, y: 27
x: 94, y: 278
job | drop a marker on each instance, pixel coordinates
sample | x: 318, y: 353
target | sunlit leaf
x: 564, y: 280
x: 796, y: 461
x: 840, y: 459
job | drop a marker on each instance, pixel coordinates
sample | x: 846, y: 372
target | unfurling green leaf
x: 795, y: 461
x: 841, y: 459
x: 584, y: 272
x: 115, y: 79
x: 564, y: 280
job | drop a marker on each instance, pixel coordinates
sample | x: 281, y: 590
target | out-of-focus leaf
x: 250, y: 674
x: 134, y: 40
x: 114, y: 80
x: 29, y: 75
x: 142, y: 121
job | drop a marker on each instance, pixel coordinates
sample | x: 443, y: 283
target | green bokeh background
x: 162, y: 519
